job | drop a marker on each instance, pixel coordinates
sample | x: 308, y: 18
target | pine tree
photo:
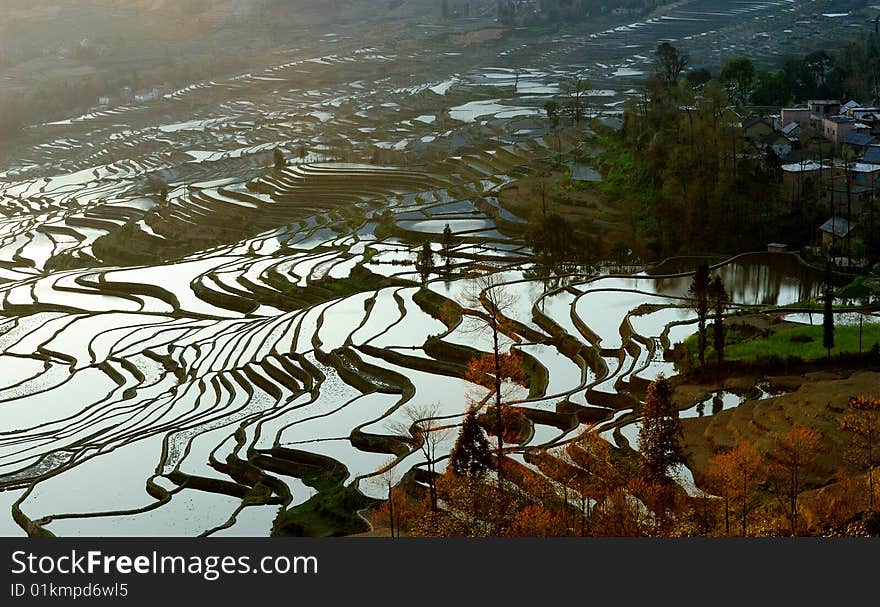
x: 718, y: 298
x: 447, y: 242
x: 698, y: 293
x: 470, y: 455
x: 828, y: 320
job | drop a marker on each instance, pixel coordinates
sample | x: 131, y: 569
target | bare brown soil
x: 819, y: 402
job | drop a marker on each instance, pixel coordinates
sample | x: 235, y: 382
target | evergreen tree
x: 828, y: 320
x: 279, y: 159
x: 660, y: 433
x: 447, y: 241
x: 471, y: 456
x: 718, y: 298
x: 698, y: 293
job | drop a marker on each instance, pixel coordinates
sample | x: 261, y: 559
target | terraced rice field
x: 182, y: 366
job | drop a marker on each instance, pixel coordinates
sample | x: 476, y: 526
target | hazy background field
x: 57, y: 55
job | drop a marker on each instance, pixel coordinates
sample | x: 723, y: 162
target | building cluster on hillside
x: 829, y: 150
x: 127, y: 95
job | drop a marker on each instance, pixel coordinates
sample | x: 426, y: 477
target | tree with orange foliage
x: 794, y: 451
x: 565, y: 471
x: 537, y: 521
x: 469, y: 508
x: 863, y: 423
x: 734, y: 475
x: 837, y: 503
x: 609, y: 481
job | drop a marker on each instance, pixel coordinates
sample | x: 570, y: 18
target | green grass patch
x: 801, y: 342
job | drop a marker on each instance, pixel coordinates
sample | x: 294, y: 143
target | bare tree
x: 428, y: 434
x: 499, y: 371
x: 574, y: 89
x: 387, y: 480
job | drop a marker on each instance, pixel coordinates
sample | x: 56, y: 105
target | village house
x: 853, y: 186
x: 834, y: 230
x: 858, y: 112
x: 872, y: 154
x: 860, y: 174
x: 824, y: 107
x: 837, y: 128
x: 791, y: 129
x: 756, y: 128
x: 814, y: 113
x: 779, y: 143
x: 797, y: 176
x: 796, y: 115
x: 146, y: 96
x: 859, y: 141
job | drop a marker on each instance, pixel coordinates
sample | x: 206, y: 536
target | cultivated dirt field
x: 819, y: 402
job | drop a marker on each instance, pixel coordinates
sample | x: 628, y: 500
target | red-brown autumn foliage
x: 734, y: 476
x: 793, y: 453
x: 537, y: 521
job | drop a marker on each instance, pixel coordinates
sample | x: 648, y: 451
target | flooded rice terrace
x: 171, y: 366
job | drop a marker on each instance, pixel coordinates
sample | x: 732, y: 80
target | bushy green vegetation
x: 680, y: 174
x: 683, y: 170
x: 849, y: 71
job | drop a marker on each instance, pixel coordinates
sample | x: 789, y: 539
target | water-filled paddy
x: 224, y: 303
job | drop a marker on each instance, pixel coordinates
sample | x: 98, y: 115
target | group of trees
x: 683, y: 173
x: 425, y: 257
x: 554, y: 241
x: 746, y: 480
x: 589, y: 487
x: 459, y: 10
x: 686, y: 174
x: 851, y: 72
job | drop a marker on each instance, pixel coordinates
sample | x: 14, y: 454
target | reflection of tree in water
x: 717, y: 403
x: 771, y: 279
x: 552, y: 278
